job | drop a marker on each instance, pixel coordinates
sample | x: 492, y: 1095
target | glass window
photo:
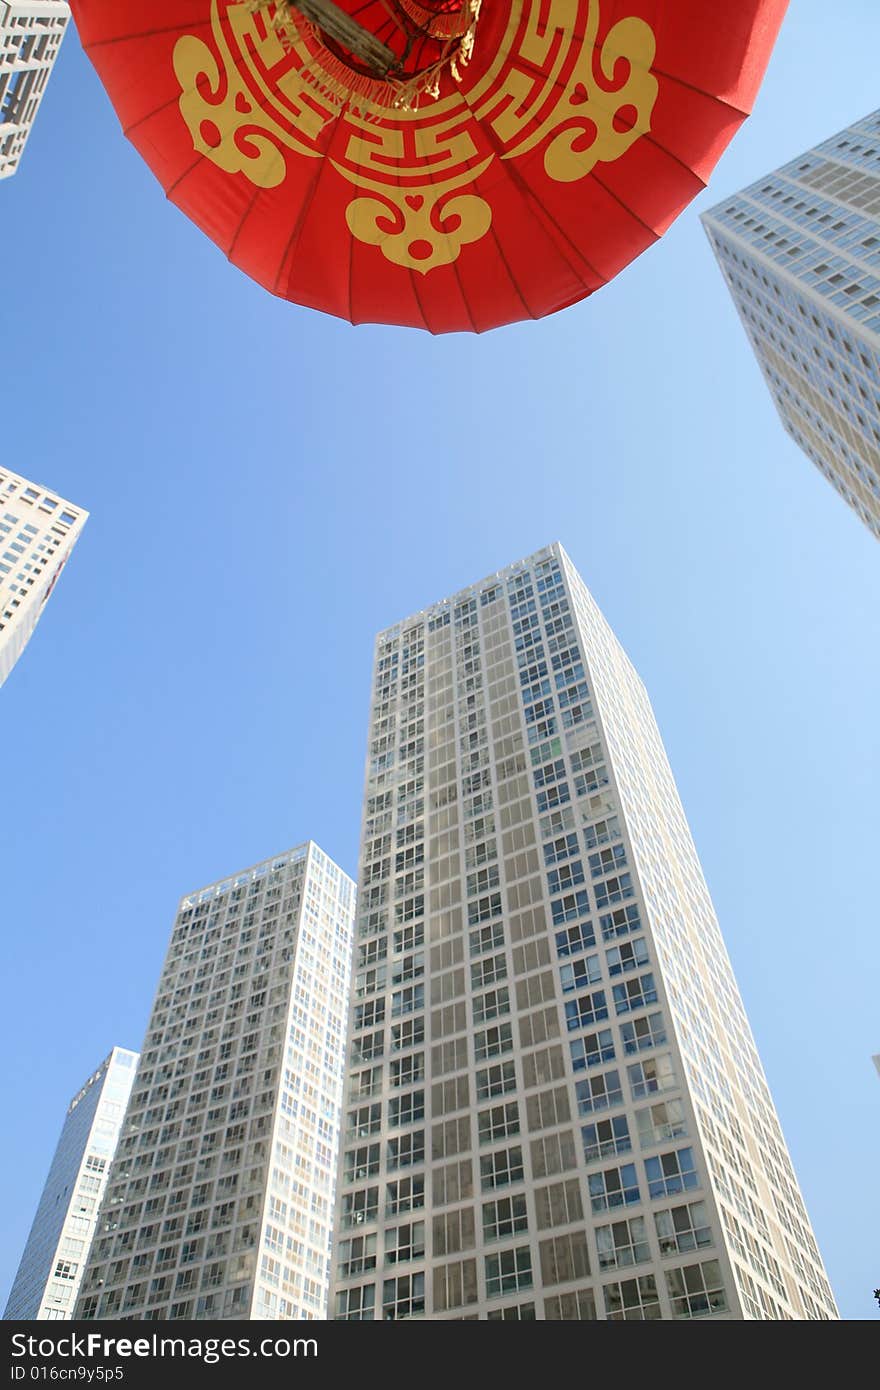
x: 404, y: 1243
x: 494, y: 1081
x: 615, y: 1187
x: 487, y: 938
x: 360, y: 1206
x: 623, y: 1243
x: 696, y: 1291
x: 492, y: 1004
x: 408, y: 1069
x: 356, y: 1305
x: 661, y: 1122
x: 356, y: 1256
x: 634, y: 994
x: 580, y: 973
x: 487, y: 970
x: 565, y: 876
x: 406, y: 1150
x: 492, y: 1042
x: 620, y: 922
x: 671, y: 1173
x: 569, y: 908
x: 519, y: 1312
x: 574, y: 939
x: 405, y: 1001
x: 607, y: 861
x: 406, y: 1109
x: 364, y: 1121
x: 406, y: 1194
x: 629, y: 955
x: 499, y: 1169
x: 680, y: 1229
x: 606, y: 1137
x: 586, y: 1009
x: 501, y: 1120
x: 643, y: 1033
x: 593, y: 1049
x: 598, y: 1092
x: 505, y: 1217
x: 508, y: 1271
x: 633, y: 1300
x: 361, y: 1162
x: 403, y: 1297
x: 650, y: 1076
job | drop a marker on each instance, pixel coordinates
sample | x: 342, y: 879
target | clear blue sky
x: 269, y: 487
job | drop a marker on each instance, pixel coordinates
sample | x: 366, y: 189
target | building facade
x: 220, y: 1203
x: 31, y: 32
x: 38, y: 530
x: 800, y: 252
x: 554, y: 1109
x: 51, y: 1268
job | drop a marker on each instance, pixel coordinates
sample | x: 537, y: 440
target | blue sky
x: 269, y: 487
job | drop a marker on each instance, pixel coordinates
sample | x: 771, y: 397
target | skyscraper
x: 51, y: 1268
x: 30, y: 37
x: 554, y: 1109
x: 38, y: 530
x: 800, y: 251
x: 220, y: 1202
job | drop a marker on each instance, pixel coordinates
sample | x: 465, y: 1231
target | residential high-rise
x: 555, y: 1109
x: 38, y: 530
x: 57, y: 1248
x: 30, y: 37
x: 800, y: 251
x: 220, y: 1202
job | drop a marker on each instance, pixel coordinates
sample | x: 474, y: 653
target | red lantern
x: 448, y: 164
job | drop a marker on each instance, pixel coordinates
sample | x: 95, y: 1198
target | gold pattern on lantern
x: 265, y: 93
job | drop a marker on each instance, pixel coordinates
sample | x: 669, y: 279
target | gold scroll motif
x: 569, y: 156
x: 419, y: 230
x: 261, y: 91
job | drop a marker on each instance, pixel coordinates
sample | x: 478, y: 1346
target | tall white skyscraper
x: 57, y: 1248
x: 30, y: 37
x: 555, y: 1109
x: 220, y: 1203
x: 38, y: 530
x: 800, y: 251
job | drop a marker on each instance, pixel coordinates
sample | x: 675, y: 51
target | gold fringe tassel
x: 342, y: 84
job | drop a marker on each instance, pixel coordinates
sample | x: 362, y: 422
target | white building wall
x: 31, y: 32
x: 540, y: 1120
x: 800, y: 253
x: 54, y: 1258
x: 776, y: 1261
x: 38, y: 530
x: 220, y: 1203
